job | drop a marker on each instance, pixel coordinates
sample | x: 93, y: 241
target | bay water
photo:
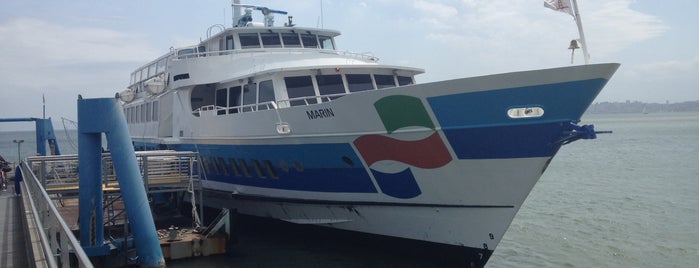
x: 627, y: 199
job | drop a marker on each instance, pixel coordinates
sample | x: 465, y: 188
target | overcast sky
x: 64, y: 48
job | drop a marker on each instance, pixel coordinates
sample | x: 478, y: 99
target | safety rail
x: 50, y: 180
x: 191, y: 52
x: 157, y: 167
x: 57, y: 240
x: 220, y: 110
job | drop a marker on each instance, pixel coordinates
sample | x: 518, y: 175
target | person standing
x: 3, y: 180
x: 18, y: 179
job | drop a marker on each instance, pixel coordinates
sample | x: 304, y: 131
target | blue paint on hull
x: 477, y: 125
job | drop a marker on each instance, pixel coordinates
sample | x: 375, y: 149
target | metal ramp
x: 162, y: 172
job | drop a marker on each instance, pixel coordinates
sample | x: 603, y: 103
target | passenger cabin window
x: 234, y: 99
x: 291, y: 40
x: 203, y: 98
x: 309, y: 41
x: 405, y: 80
x: 300, y: 87
x: 384, y: 81
x: 249, y: 40
x: 221, y: 100
x: 326, y: 42
x: 359, y: 82
x: 155, y: 111
x: 270, y: 40
x: 266, y: 95
x: 249, y: 97
x: 330, y: 85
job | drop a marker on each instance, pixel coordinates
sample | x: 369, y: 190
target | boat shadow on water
x: 263, y: 242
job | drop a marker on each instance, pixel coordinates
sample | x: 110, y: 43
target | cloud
x: 610, y: 25
x: 52, y: 43
x: 41, y: 57
x: 438, y: 9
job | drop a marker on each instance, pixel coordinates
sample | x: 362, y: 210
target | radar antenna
x: 243, y: 20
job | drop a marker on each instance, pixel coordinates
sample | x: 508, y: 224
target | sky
x: 59, y: 49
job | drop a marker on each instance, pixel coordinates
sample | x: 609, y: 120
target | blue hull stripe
x: 561, y: 102
x: 309, y: 167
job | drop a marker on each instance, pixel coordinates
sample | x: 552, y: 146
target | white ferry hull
x: 441, y: 162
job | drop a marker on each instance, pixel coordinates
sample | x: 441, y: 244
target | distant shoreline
x: 642, y: 107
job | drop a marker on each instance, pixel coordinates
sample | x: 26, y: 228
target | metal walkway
x: 36, y: 229
x: 13, y: 245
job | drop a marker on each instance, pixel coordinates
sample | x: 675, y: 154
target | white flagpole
x: 580, y: 30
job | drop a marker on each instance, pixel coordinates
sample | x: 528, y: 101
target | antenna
x: 321, y: 14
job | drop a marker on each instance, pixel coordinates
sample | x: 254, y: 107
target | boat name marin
x: 320, y: 113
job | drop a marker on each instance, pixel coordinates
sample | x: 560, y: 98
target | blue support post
x: 105, y: 115
x: 44, y: 134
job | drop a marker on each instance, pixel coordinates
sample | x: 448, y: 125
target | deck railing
x: 51, y: 179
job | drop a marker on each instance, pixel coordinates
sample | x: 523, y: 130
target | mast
x: 237, y: 12
x: 580, y: 31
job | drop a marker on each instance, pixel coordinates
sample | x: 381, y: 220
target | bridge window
x: 359, y: 82
x: 270, y: 40
x: 384, y: 81
x: 299, y: 87
x: 291, y: 40
x: 326, y: 42
x: 249, y: 40
x: 309, y: 41
x: 405, y: 80
x: 330, y: 84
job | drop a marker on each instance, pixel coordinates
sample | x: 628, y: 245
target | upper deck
x: 252, y: 40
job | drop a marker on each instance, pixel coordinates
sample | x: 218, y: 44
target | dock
x: 13, y: 249
x: 37, y: 229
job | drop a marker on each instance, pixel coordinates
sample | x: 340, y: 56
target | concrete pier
x: 13, y: 243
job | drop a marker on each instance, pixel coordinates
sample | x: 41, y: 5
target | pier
x: 38, y: 228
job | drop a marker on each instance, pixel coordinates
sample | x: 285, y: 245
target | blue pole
x: 44, y: 134
x: 106, y: 115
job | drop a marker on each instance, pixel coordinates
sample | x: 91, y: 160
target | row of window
x: 143, y: 113
x: 242, y: 167
x: 149, y: 71
x: 279, y: 40
x: 301, y: 90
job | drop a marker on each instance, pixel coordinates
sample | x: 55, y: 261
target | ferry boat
x: 290, y: 127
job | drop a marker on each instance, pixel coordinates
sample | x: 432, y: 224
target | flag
x: 560, y: 5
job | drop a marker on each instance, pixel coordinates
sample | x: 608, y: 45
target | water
x: 627, y: 199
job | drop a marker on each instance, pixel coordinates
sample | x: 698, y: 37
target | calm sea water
x: 627, y: 199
